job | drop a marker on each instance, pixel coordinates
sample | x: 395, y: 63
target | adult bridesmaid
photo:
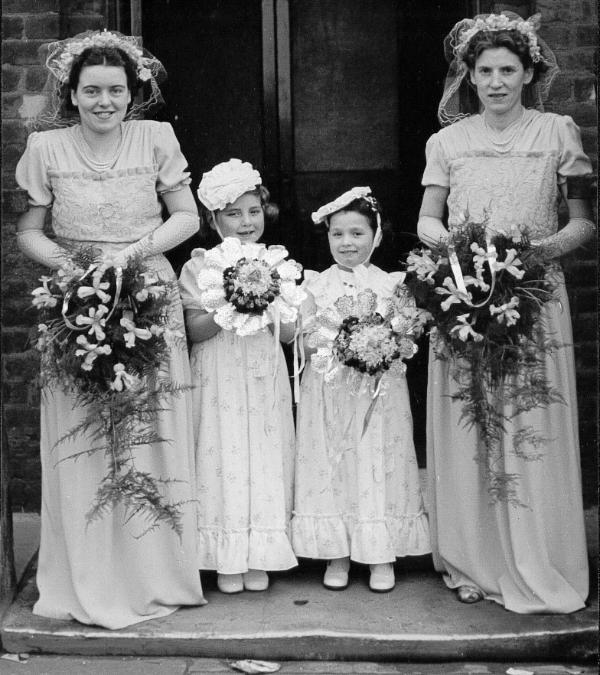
x: 106, y: 180
x: 514, y: 165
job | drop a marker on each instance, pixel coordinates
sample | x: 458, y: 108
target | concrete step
x: 297, y: 619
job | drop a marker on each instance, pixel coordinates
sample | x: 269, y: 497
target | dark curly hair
x: 512, y: 39
x: 99, y: 56
x: 270, y: 210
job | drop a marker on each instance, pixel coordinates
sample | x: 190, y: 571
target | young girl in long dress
x: 363, y: 503
x: 509, y: 166
x: 243, y: 424
x: 105, y: 178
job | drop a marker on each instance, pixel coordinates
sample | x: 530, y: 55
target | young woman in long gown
x: 511, y: 165
x: 105, y: 181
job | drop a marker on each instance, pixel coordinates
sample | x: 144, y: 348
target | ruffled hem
x: 237, y: 551
x: 365, y: 541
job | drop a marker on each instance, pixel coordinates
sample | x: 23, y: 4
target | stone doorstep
x: 297, y: 619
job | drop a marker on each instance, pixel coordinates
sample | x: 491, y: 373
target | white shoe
x: 336, y: 574
x: 230, y: 583
x: 256, y: 580
x: 382, y: 577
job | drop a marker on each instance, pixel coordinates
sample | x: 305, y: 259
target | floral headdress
x: 457, y: 100
x: 63, y: 53
x: 322, y: 214
x: 226, y: 182
x: 498, y: 22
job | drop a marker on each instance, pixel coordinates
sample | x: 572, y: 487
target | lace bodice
x: 115, y: 205
x: 519, y: 187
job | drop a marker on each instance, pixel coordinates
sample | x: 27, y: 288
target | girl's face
x: 350, y: 238
x: 102, y: 97
x: 243, y: 219
x: 500, y: 77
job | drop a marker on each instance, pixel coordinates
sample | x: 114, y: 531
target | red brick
x: 81, y: 22
x: 10, y: 104
x: 35, y: 78
x: 12, y: 27
x: 557, y: 34
x: 561, y: 89
x: 14, y: 132
x: 11, y: 76
x: 14, y: 339
x: 589, y: 139
x: 584, y: 114
x: 42, y: 26
x: 24, y: 52
x: 15, y: 414
x: 29, y: 6
x: 576, y: 59
x: 586, y: 35
x: 15, y: 200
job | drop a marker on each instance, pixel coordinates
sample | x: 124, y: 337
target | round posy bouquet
x: 354, y: 334
x: 249, y: 286
x: 485, y: 292
x: 103, y: 335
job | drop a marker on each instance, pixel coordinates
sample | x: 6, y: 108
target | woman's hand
x: 430, y: 227
x: 200, y: 325
x: 34, y: 243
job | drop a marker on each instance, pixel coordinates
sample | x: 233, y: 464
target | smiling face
x: 499, y: 77
x: 243, y: 219
x: 102, y: 97
x: 350, y: 238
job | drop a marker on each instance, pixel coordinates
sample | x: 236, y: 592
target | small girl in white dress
x: 243, y: 424
x: 362, y: 502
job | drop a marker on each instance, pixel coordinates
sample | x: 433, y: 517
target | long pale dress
x: 528, y: 559
x: 103, y: 573
x: 244, y: 439
x: 362, y: 498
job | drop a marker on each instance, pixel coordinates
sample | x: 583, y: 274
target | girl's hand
x: 200, y: 325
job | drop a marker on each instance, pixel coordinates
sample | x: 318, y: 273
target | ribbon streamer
x: 491, y: 257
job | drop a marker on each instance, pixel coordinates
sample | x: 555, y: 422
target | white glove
x: 37, y: 246
x: 575, y: 233
x: 179, y: 227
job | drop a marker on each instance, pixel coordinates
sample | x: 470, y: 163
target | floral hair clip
x: 226, y: 182
x: 321, y: 215
x: 62, y: 54
x: 498, y: 22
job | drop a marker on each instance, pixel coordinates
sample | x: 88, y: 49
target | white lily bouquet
x: 249, y: 286
x: 103, y: 335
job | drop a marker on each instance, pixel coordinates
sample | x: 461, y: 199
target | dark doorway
x: 319, y: 95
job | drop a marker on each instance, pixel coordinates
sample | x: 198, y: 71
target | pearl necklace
x: 498, y: 138
x: 92, y: 157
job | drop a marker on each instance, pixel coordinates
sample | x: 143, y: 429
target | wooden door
x: 320, y: 95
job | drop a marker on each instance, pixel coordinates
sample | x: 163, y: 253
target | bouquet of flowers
x: 103, y: 335
x: 250, y: 286
x: 485, y: 294
x: 353, y: 333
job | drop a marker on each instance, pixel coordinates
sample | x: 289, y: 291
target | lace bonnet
x: 226, y: 182
x: 457, y: 100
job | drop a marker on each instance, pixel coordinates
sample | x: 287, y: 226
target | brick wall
x: 570, y: 28
x: 27, y: 26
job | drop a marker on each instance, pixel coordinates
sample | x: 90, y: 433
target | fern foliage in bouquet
x: 485, y: 292
x: 104, y: 338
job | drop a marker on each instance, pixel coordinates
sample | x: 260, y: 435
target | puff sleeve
x: 32, y: 172
x: 188, y: 288
x: 172, y: 165
x: 437, y: 171
x: 573, y: 161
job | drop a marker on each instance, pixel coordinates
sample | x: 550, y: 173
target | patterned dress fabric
x: 104, y: 573
x: 244, y: 441
x: 529, y: 559
x: 362, y: 498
